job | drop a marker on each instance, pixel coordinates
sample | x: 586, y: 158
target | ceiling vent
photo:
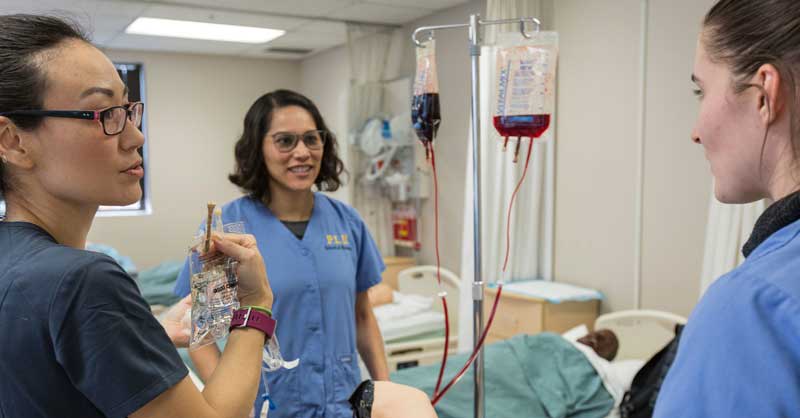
x: 293, y: 51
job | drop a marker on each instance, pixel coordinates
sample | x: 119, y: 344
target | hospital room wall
x: 453, y: 61
x: 596, y: 146
x: 599, y: 106
x: 325, y: 78
x: 601, y: 110
x: 195, y: 108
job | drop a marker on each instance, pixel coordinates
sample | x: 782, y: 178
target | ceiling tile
x: 426, y: 4
x: 107, y: 19
x: 228, y: 18
x: 106, y: 28
x: 303, y: 40
x: 27, y: 6
x: 111, y: 7
x: 295, y: 7
x: 152, y: 43
x: 321, y: 26
x: 370, y: 12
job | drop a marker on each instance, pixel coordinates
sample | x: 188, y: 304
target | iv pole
x: 477, y: 285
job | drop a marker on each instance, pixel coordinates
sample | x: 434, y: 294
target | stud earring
x: 3, y: 159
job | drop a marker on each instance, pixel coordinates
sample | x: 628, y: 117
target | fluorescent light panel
x: 201, y: 30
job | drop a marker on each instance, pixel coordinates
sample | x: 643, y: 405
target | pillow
x: 575, y: 333
x: 625, y: 370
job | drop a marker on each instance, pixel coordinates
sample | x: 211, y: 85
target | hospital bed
x: 413, y: 326
x: 641, y: 333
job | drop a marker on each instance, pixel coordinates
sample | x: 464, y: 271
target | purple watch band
x: 252, y: 318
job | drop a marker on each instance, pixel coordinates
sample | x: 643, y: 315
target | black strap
x: 362, y: 398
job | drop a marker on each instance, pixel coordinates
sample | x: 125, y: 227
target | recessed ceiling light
x: 201, y: 30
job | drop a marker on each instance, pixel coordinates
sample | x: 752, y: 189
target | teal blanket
x: 157, y: 283
x: 539, y: 375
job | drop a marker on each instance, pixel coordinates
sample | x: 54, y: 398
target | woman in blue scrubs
x: 321, y: 258
x: 739, y: 355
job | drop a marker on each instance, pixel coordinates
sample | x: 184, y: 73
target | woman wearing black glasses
x: 321, y: 258
x: 78, y: 339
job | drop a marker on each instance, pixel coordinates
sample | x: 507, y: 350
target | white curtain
x: 531, y: 254
x: 728, y: 228
x: 373, y: 58
x: 509, y: 9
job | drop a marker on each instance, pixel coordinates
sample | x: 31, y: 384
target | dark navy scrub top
x: 315, y: 281
x: 76, y: 337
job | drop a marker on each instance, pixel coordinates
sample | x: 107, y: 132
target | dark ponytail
x: 746, y: 34
x: 24, y: 39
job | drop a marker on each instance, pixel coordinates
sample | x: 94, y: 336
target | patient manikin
x: 603, y: 341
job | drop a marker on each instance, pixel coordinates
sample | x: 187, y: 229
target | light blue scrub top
x: 315, y: 281
x: 739, y: 355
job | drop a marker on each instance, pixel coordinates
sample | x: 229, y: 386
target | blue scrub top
x: 315, y: 281
x: 739, y: 355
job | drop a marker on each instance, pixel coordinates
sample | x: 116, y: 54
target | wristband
x: 267, y: 311
x: 252, y: 318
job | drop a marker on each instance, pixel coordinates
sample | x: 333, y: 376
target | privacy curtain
x: 531, y: 254
x: 728, y: 228
x: 373, y: 52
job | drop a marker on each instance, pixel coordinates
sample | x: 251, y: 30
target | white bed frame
x: 421, y: 280
x: 641, y: 333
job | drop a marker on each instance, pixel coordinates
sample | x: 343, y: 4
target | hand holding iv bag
x: 213, y: 284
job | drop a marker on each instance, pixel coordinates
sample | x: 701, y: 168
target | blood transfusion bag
x: 525, y: 86
x: 425, y: 111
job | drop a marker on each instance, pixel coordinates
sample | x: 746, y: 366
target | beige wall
x: 195, y: 108
x: 325, y: 79
x: 452, y: 58
x: 596, y: 145
x: 598, y: 129
x: 677, y: 180
x: 599, y: 126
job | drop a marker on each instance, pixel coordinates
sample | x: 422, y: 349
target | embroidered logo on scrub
x: 337, y: 241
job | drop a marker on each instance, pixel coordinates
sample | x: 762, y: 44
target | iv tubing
x: 478, y: 347
x: 513, y: 197
x: 429, y: 150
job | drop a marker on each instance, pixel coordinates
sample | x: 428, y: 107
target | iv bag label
x: 426, y: 80
x: 525, y: 80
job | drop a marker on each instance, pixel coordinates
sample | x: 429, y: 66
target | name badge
x: 337, y: 242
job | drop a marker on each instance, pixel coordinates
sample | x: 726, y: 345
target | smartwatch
x: 252, y: 318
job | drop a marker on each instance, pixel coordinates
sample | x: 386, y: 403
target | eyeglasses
x: 112, y: 119
x: 313, y: 140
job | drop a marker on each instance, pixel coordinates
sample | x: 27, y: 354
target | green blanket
x: 157, y: 283
x: 539, y: 375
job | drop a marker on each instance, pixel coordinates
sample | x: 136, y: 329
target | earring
x: 3, y: 159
